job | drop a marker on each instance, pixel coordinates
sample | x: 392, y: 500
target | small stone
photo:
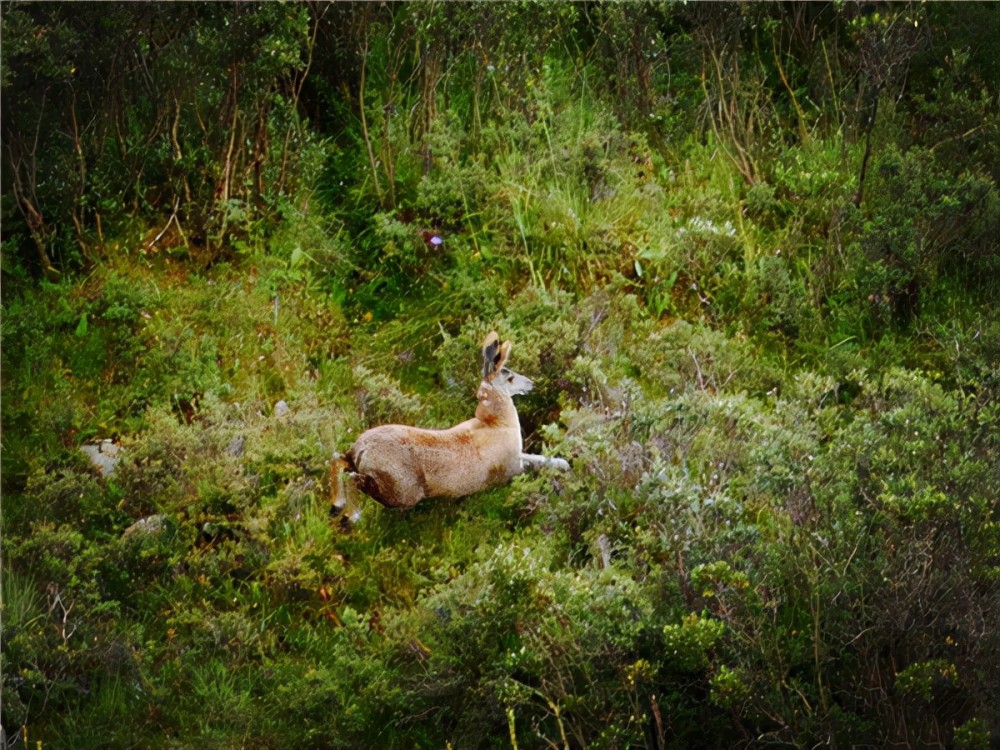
x: 103, y: 455
x: 236, y: 446
x: 149, y: 525
x: 604, y: 547
x: 281, y: 410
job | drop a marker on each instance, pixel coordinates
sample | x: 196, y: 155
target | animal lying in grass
x: 399, y: 465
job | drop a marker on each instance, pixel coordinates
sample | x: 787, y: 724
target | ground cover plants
x: 747, y: 253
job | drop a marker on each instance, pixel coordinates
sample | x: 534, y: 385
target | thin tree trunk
x: 859, y: 195
x: 364, y: 123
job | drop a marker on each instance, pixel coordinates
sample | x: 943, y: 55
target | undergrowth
x: 777, y: 391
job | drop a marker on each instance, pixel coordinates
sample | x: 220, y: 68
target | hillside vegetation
x: 747, y: 252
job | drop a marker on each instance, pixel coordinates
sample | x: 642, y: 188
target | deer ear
x: 491, y: 354
x: 503, y: 356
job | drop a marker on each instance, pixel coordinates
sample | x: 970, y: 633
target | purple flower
x: 435, y: 240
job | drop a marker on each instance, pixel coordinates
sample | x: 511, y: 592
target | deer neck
x: 496, y: 409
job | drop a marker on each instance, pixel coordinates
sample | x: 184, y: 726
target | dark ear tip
x: 491, y: 349
x: 491, y: 344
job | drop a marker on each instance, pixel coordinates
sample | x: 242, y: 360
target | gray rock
x: 281, y: 410
x: 236, y: 446
x: 149, y: 525
x: 103, y: 455
x: 604, y: 547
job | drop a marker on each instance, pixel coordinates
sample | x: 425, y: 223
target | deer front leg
x: 343, y: 501
x: 533, y: 461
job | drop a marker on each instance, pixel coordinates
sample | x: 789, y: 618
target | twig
x: 959, y: 137
x: 364, y: 123
x: 697, y: 367
x: 661, y: 738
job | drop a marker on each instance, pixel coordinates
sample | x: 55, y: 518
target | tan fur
x: 400, y: 465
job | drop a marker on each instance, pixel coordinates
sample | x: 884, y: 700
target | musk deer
x: 399, y: 465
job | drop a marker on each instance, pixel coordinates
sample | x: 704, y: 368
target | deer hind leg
x: 533, y: 461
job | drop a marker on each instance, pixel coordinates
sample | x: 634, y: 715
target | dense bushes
x: 727, y: 557
x: 747, y: 256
